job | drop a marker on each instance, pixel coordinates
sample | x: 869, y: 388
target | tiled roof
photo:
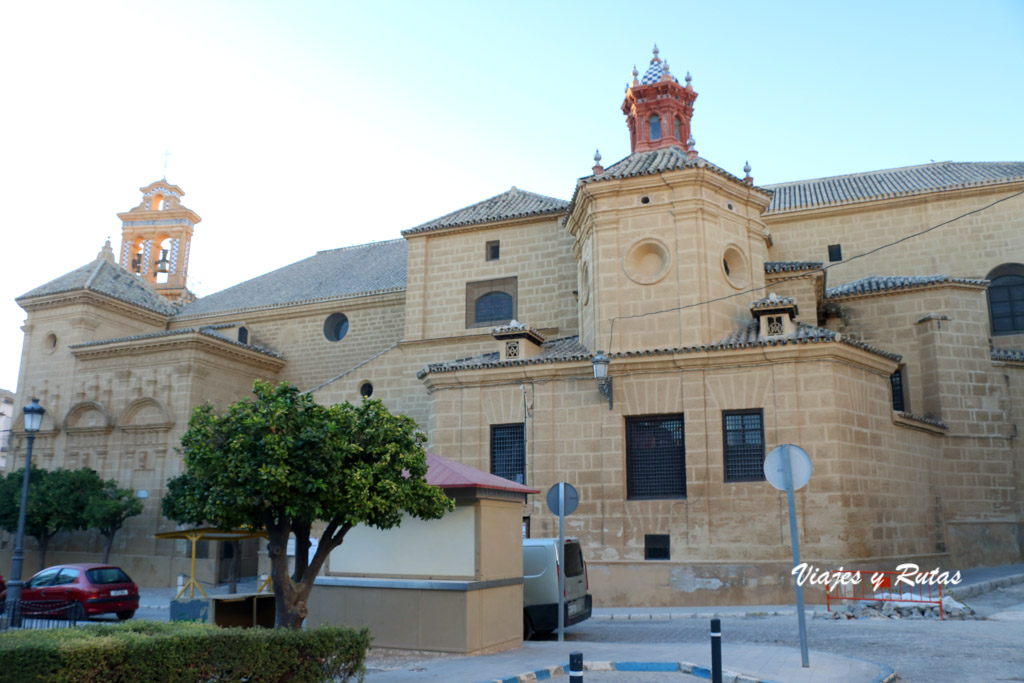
x: 875, y: 284
x: 556, y: 350
x: 657, y: 161
x: 335, y: 273
x: 927, y: 420
x: 889, y: 183
x: 772, y: 301
x: 1008, y: 354
x: 568, y: 349
x: 788, y: 266
x: 106, y: 277
x: 449, y: 474
x: 650, y: 163
x: 748, y: 336
x: 206, y: 330
x: 515, y: 203
x: 514, y: 327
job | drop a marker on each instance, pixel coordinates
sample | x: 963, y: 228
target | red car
x: 93, y: 588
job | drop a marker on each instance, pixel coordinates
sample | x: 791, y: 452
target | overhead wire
x: 820, y: 269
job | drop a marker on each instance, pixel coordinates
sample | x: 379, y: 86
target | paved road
x: 920, y: 651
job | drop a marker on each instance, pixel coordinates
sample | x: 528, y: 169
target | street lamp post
x: 33, y: 420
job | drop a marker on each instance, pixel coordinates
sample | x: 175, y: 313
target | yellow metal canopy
x: 210, y: 534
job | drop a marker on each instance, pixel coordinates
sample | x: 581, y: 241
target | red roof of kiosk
x: 449, y: 474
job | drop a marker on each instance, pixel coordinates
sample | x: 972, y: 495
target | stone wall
x: 537, y: 252
x: 297, y: 332
x: 125, y: 420
x: 656, y: 246
x: 970, y: 247
x: 872, y: 497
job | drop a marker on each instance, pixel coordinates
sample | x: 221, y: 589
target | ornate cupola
x: 155, y: 239
x: 658, y: 109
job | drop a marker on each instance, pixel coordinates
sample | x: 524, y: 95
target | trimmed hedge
x: 182, y: 652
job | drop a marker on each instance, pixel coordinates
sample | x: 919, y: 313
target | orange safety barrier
x: 880, y: 586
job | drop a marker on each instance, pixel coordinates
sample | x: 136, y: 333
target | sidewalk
x: 678, y: 662
x: 640, y: 662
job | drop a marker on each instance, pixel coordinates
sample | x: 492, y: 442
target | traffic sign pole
x: 787, y: 473
x: 561, y: 561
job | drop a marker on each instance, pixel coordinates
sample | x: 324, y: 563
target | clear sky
x: 299, y: 126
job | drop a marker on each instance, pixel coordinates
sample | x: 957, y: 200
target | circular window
x: 730, y: 206
x: 366, y: 390
x: 645, y: 200
x: 336, y: 327
x: 647, y: 261
x: 49, y: 343
x: 734, y: 265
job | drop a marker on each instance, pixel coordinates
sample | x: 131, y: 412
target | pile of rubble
x: 890, y: 609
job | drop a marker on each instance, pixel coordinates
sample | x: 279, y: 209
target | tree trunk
x: 107, y: 546
x: 44, y: 542
x: 290, y: 595
x: 234, y: 565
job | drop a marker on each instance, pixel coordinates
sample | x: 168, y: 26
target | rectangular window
x: 656, y: 547
x: 835, y: 252
x: 493, y: 250
x: 743, y: 437
x: 491, y: 302
x: 899, y: 398
x: 508, y: 452
x: 655, y: 457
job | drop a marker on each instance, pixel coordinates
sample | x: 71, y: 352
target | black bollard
x: 576, y: 667
x: 716, y: 651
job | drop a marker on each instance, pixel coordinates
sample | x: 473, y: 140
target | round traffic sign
x: 572, y: 498
x: 800, y: 466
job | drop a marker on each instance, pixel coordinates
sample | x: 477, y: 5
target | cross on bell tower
x: 658, y: 109
x: 155, y: 239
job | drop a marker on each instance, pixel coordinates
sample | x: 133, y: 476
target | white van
x: 540, y: 585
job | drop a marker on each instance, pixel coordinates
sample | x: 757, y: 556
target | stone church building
x: 874, y: 319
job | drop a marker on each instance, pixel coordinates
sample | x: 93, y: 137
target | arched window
x: 162, y: 265
x: 490, y: 302
x: 679, y: 129
x: 1006, y: 299
x: 494, y: 307
x: 655, y: 127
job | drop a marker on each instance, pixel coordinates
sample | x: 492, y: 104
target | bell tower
x: 658, y: 109
x: 155, y: 240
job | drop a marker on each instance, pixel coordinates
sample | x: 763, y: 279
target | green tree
x: 56, y: 502
x: 108, y: 509
x: 282, y: 462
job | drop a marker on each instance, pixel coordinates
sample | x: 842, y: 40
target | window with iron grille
x: 899, y: 401
x: 743, y: 435
x: 655, y: 457
x: 508, y: 452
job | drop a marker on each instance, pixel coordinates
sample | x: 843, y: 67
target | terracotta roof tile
x: 515, y: 203
x: 206, y: 330
x: 788, y: 266
x: 878, y: 283
x: 106, y: 277
x: 332, y: 274
x: 449, y: 474
x: 1015, y: 355
x: 889, y: 183
x: 568, y: 349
